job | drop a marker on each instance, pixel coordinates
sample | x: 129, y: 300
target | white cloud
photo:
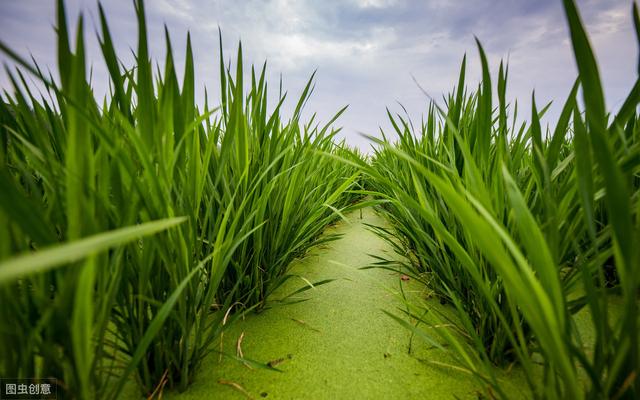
x: 366, y: 51
x: 175, y: 8
x: 376, y: 3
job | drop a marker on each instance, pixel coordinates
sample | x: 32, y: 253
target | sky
x: 369, y: 54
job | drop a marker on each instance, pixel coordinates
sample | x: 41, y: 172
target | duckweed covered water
x: 339, y: 343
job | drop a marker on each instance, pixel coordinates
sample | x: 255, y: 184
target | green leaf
x: 58, y: 255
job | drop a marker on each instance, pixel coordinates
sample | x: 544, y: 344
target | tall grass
x: 236, y: 190
x: 519, y: 230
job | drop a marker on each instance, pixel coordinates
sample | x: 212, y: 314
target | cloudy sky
x: 366, y: 52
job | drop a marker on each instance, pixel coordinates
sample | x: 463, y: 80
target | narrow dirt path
x: 337, y: 345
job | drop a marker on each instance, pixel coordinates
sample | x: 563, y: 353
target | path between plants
x: 339, y: 344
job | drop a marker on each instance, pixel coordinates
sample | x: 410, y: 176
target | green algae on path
x: 339, y: 343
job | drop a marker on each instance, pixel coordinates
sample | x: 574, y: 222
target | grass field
x: 137, y: 229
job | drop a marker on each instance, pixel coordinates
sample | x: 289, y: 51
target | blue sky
x: 367, y: 52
